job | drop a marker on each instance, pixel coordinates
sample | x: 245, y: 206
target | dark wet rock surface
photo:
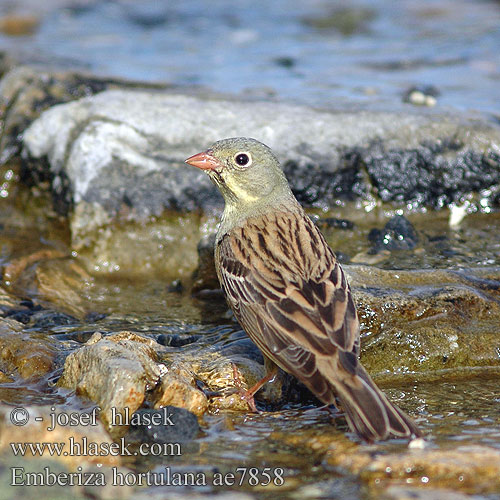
x: 169, y: 424
x: 397, y: 234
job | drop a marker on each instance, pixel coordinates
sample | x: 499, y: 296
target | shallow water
x: 474, y: 243
x: 322, y: 53
x: 466, y: 413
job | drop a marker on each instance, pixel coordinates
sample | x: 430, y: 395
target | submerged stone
x: 26, y: 354
x: 397, y: 234
x: 168, y: 424
x: 178, y: 388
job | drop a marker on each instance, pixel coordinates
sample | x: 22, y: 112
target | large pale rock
x: 121, y: 152
x: 115, y: 372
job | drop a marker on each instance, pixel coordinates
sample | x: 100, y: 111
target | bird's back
x: 289, y: 293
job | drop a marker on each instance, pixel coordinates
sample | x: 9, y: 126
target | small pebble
x: 421, y: 96
x: 418, y: 444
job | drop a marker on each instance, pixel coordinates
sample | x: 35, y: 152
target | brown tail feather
x: 368, y: 411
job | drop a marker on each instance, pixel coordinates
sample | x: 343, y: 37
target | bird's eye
x: 243, y: 159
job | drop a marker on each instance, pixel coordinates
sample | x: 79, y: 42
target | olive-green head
x: 246, y: 172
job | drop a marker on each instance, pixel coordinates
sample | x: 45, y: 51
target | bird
x: 287, y: 289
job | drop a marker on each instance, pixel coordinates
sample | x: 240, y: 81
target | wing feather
x: 288, y: 292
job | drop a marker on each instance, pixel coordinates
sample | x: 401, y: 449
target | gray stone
x: 169, y: 424
x: 26, y: 91
x: 124, y: 150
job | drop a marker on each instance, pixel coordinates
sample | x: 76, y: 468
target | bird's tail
x: 368, y: 411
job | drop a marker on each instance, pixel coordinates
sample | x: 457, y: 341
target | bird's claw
x: 246, y: 395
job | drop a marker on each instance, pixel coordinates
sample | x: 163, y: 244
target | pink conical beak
x: 203, y: 160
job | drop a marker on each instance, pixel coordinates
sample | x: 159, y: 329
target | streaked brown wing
x: 288, y: 291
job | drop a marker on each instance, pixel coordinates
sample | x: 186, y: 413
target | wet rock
x: 27, y: 91
x: 123, y: 150
x: 13, y: 308
x: 424, y: 322
x: 467, y: 468
x: 64, y: 283
x: 28, y: 355
x: 113, y: 371
x: 125, y: 369
x: 397, y: 234
x: 94, y: 317
x: 229, y: 375
x: 409, y: 175
x: 205, y: 276
x: 37, y: 317
x: 177, y: 340
x: 159, y: 248
x: 49, y: 319
x: 178, y: 388
x: 176, y: 425
x: 21, y: 315
x: 215, y: 377
x: 13, y: 270
x: 7, y: 301
x: 379, y: 468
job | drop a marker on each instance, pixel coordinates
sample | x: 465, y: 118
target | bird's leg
x: 249, y: 394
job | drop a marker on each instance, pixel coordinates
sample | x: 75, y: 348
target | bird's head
x: 246, y: 172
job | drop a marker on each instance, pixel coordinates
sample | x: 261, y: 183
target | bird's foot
x: 243, y: 393
x: 248, y: 395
